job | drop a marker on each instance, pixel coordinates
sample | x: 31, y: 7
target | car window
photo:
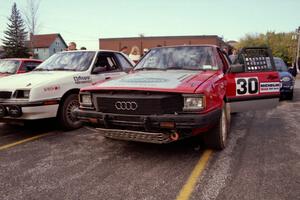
x: 105, y: 62
x: 28, y: 66
x: 9, y: 66
x: 254, y: 60
x: 180, y: 58
x: 123, y: 62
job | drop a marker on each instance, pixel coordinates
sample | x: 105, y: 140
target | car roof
x: 23, y: 59
x: 190, y: 45
x: 99, y: 50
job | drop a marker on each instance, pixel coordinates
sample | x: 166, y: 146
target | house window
x: 54, y: 50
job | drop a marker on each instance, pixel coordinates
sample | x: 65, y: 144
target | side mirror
x: 30, y: 68
x: 127, y: 70
x: 237, y: 68
x: 98, y: 70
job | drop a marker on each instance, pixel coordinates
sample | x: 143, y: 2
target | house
x: 150, y: 42
x: 44, y: 46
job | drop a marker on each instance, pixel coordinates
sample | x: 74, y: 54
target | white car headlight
x: 193, y: 103
x: 285, y: 79
x: 22, y: 94
x: 26, y: 94
x: 86, y: 99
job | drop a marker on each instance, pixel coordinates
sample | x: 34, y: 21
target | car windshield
x: 280, y: 65
x: 68, y: 61
x: 179, y: 58
x: 9, y: 66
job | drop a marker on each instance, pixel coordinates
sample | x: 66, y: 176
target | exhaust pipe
x: 174, y: 136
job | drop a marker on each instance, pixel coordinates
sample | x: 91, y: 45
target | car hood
x: 33, y: 79
x: 179, y: 81
x: 4, y: 75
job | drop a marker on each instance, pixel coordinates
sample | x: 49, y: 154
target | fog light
x: 167, y: 124
x: 15, y: 111
x: 3, y: 111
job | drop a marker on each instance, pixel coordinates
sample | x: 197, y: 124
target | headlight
x: 193, y: 103
x: 285, y: 79
x: 85, y: 99
x: 26, y: 94
x: 22, y: 94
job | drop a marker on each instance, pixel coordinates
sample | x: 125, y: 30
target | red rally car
x: 181, y: 91
x: 11, y: 66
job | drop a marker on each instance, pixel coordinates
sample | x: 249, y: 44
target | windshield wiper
x: 62, y: 69
x: 182, y: 68
x: 40, y: 69
x: 149, y: 68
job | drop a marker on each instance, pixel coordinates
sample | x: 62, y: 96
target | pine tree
x: 15, y: 35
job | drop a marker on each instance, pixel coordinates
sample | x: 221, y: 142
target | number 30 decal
x: 246, y: 86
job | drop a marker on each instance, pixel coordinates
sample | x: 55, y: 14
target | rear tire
x: 66, y: 118
x: 216, y: 138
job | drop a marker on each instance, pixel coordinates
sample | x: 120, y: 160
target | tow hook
x: 174, y: 136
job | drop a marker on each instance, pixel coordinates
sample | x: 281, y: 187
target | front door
x: 256, y: 84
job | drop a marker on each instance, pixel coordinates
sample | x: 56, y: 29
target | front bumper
x: 148, y: 128
x: 28, y: 110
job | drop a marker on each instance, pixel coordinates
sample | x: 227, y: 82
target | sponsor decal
x: 52, y: 88
x: 82, y: 79
x: 246, y: 86
x: 269, y: 87
x: 145, y: 80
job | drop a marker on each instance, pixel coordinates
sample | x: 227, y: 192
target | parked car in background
x: 11, y: 66
x: 287, y: 80
x: 181, y: 91
x: 51, y: 90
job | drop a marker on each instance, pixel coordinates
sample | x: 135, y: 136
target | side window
x: 123, y: 62
x: 28, y: 66
x: 105, y: 62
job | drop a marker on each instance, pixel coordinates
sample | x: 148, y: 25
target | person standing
x: 72, y: 46
x: 233, y: 56
x: 135, y: 54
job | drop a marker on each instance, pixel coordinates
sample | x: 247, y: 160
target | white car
x: 51, y: 90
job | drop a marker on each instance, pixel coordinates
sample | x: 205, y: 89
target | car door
x: 252, y: 83
x: 107, y: 66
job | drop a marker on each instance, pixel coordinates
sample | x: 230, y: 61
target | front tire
x: 216, y: 138
x: 290, y: 95
x: 66, y: 118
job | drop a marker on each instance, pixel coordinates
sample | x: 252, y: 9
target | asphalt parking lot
x: 262, y: 161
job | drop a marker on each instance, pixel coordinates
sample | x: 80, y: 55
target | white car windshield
x: 9, y: 66
x: 179, y: 58
x: 68, y: 61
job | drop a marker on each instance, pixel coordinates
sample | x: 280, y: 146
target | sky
x: 85, y: 21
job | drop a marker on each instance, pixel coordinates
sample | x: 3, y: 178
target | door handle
x: 107, y: 77
x: 272, y: 77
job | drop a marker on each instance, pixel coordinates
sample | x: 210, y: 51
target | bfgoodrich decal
x: 82, y: 79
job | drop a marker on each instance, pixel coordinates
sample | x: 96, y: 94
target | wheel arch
x: 71, y: 91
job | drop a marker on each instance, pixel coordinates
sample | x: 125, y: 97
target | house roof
x: 44, y: 41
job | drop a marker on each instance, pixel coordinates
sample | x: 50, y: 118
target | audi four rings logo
x: 126, y: 105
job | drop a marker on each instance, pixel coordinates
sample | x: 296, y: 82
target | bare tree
x: 31, y: 15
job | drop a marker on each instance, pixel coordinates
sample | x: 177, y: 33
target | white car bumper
x: 28, y: 111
